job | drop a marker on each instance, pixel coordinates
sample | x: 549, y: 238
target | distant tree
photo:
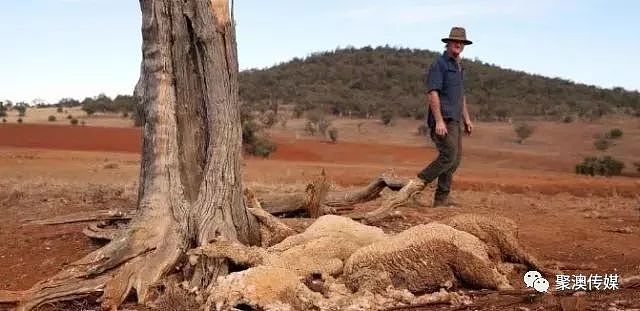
x: 38, y: 103
x: 3, y: 109
x: 314, y: 116
x: 89, y: 106
x: 323, y: 126
x: 19, y: 120
x: 249, y: 130
x: 68, y: 103
x: 74, y: 121
x: 21, y: 108
x: 333, y: 134
x: 637, y: 165
x: 59, y: 109
x: 269, y: 118
x: 262, y: 147
x: 69, y: 117
x: 103, y: 103
x: 523, y: 131
x: 310, y: 128
x: 317, y: 122
x: 123, y: 103
x: 298, y: 111
x: 4, y: 120
x: 253, y: 141
x: 386, y: 116
x: 52, y: 118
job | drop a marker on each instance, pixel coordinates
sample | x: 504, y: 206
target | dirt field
x: 41, y: 116
x: 590, y: 221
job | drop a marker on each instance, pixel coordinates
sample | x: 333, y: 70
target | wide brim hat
x: 457, y: 34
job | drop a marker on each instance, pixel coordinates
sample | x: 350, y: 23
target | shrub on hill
x: 605, y: 166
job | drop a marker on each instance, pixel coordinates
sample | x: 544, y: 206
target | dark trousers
x: 449, y: 155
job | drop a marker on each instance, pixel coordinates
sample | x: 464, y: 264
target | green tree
x: 68, y: 102
x: 123, y: 103
x: 21, y: 108
x: 89, y: 106
x: 3, y: 109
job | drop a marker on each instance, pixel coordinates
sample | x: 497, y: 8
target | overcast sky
x: 78, y: 48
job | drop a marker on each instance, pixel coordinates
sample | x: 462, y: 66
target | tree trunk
x: 190, y: 180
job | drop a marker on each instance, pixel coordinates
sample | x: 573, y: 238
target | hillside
x: 367, y: 81
x: 361, y: 82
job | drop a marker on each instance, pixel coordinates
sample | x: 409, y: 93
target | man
x: 447, y: 108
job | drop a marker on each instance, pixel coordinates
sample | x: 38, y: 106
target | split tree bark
x: 190, y: 182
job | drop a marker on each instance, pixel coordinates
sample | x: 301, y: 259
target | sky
x: 50, y: 49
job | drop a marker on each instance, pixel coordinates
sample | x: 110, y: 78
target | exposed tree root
x: 630, y: 282
x: 571, y: 266
x: 461, y: 251
x: 134, y: 259
x: 316, y: 200
x: 317, y: 195
x: 403, y: 196
x: 100, y: 215
x: 99, y: 231
x: 309, y: 201
x: 272, y: 230
x: 368, y: 193
x: 63, y: 288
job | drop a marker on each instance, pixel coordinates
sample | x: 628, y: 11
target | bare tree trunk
x: 190, y: 181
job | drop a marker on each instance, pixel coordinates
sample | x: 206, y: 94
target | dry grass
x: 41, y: 116
x: 567, y: 143
x: 176, y: 299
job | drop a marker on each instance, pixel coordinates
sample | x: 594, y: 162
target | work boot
x: 422, y: 177
x: 445, y: 202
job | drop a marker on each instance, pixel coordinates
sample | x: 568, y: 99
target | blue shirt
x: 447, y: 78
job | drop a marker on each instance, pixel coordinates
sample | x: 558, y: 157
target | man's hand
x: 468, y: 126
x: 441, y: 128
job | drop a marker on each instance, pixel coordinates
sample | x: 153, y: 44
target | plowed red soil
x: 589, y: 221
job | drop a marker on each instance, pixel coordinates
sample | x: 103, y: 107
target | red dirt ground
x: 562, y: 217
x: 480, y: 169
